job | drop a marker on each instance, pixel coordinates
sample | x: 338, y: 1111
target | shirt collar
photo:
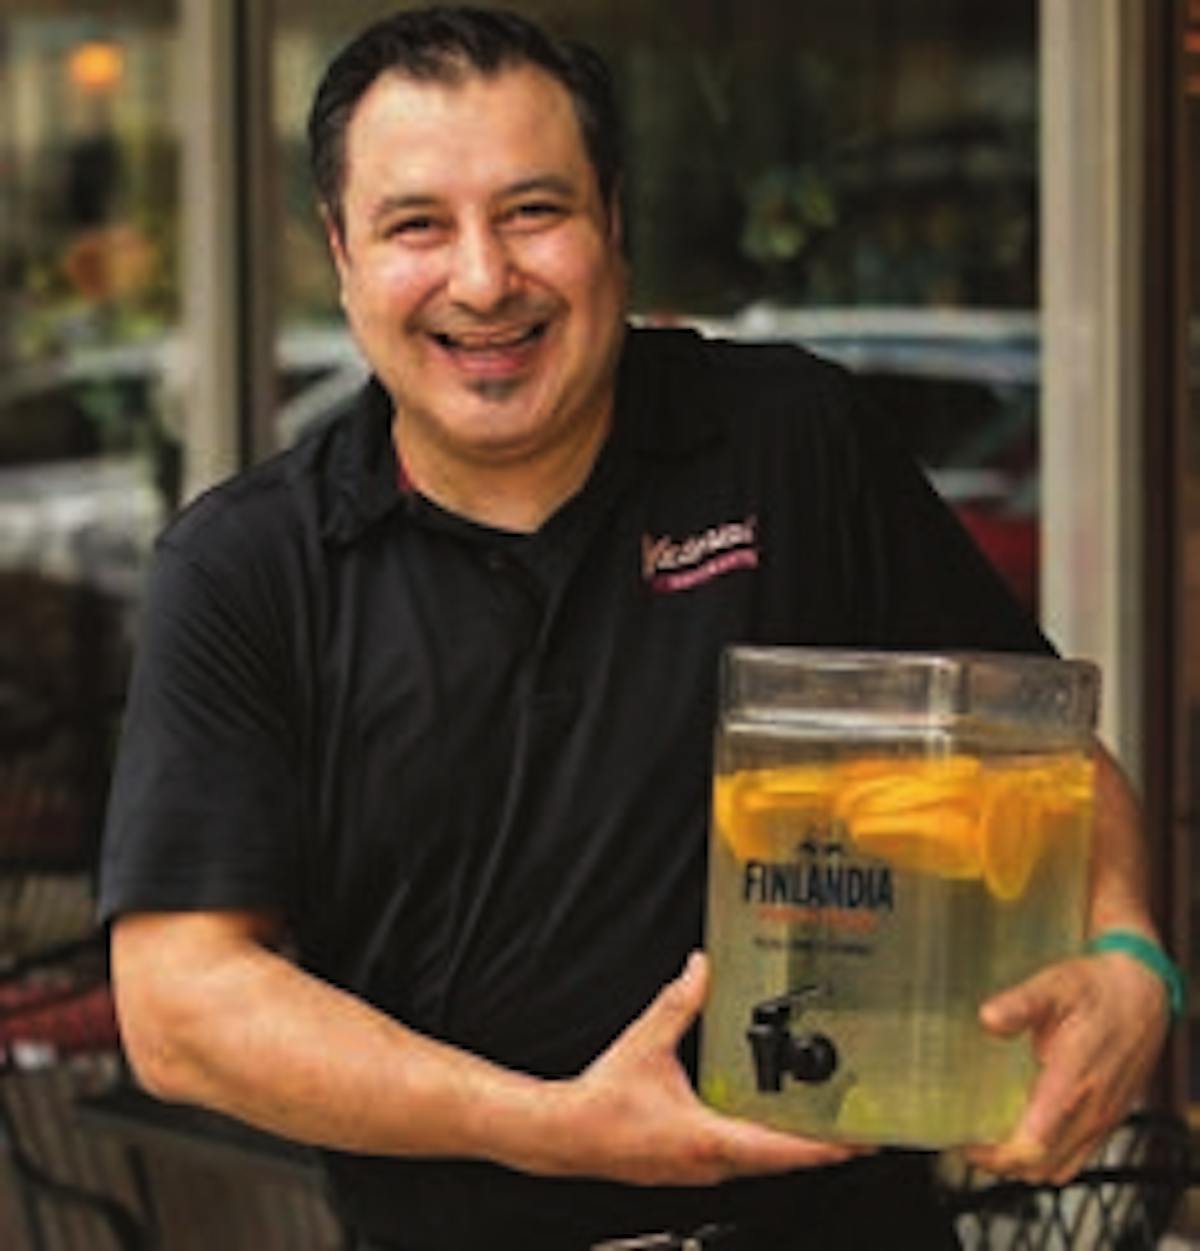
x: 355, y: 465
x: 658, y: 412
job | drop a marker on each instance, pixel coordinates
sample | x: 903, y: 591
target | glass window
x: 860, y: 176
x: 89, y: 464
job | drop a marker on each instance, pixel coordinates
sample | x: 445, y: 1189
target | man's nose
x: 481, y: 269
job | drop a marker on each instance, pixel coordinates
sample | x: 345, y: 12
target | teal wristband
x: 1146, y: 952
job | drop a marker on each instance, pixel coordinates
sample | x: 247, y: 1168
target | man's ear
x: 335, y: 236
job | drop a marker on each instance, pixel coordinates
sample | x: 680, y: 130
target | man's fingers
x: 1028, y: 1160
x: 1019, y: 1156
x: 1028, y: 1154
x: 1005, y: 1014
x: 749, y: 1148
x: 1023, y: 1007
x: 674, y: 1009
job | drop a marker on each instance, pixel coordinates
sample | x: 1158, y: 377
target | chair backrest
x: 58, y: 1036
x: 1124, y: 1201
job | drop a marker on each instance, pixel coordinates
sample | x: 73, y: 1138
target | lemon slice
x: 1068, y: 785
x: 743, y: 829
x: 864, y: 768
x: 718, y: 1093
x: 1010, y: 833
x: 941, y: 839
x: 861, y: 1115
x: 919, y: 815
x: 807, y: 783
x: 891, y: 786
x: 745, y: 803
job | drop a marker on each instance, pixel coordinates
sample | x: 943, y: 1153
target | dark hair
x: 442, y: 44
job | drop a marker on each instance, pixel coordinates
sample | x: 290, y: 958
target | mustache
x: 512, y: 318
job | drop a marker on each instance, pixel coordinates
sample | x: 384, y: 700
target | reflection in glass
x: 89, y: 461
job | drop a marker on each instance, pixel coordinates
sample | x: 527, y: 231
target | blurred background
x: 983, y: 206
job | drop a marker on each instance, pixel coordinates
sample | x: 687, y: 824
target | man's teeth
x: 488, y: 345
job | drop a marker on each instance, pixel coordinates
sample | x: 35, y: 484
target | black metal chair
x: 1124, y: 1201
x: 58, y: 1035
x: 58, y: 1041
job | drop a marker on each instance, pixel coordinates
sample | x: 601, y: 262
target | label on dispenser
x: 860, y: 910
x: 823, y: 897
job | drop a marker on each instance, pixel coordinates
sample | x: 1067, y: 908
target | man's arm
x: 211, y: 1014
x: 1097, y: 1024
x: 1120, y: 890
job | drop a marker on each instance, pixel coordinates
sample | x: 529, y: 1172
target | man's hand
x: 1096, y: 1025
x: 638, y: 1120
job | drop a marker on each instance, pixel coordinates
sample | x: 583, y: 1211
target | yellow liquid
x: 893, y: 890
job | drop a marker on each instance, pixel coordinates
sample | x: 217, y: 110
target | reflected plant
x: 105, y: 286
x: 786, y: 208
x: 112, y: 286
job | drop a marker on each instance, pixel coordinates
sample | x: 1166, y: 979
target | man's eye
x: 412, y: 228
x: 535, y: 212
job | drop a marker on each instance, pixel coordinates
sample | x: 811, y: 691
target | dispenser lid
x: 1038, y: 696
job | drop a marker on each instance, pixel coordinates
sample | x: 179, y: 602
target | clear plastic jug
x: 895, y: 837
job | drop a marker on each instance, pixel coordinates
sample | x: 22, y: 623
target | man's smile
x: 502, y: 356
x: 490, y: 341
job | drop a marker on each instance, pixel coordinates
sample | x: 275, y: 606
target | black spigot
x: 808, y: 1057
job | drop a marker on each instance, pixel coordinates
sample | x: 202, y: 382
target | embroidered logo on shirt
x: 678, y: 564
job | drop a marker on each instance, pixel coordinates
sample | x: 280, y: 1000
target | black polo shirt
x: 471, y: 767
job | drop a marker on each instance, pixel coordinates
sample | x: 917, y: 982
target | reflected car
x: 90, y: 455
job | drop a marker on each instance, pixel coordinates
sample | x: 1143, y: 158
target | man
x: 429, y: 699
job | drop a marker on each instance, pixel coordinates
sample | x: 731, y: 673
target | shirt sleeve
x: 204, y: 804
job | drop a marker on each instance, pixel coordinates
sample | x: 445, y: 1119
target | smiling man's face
x: 481, y: 272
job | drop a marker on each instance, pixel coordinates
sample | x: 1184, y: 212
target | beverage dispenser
x: 895, y: 837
